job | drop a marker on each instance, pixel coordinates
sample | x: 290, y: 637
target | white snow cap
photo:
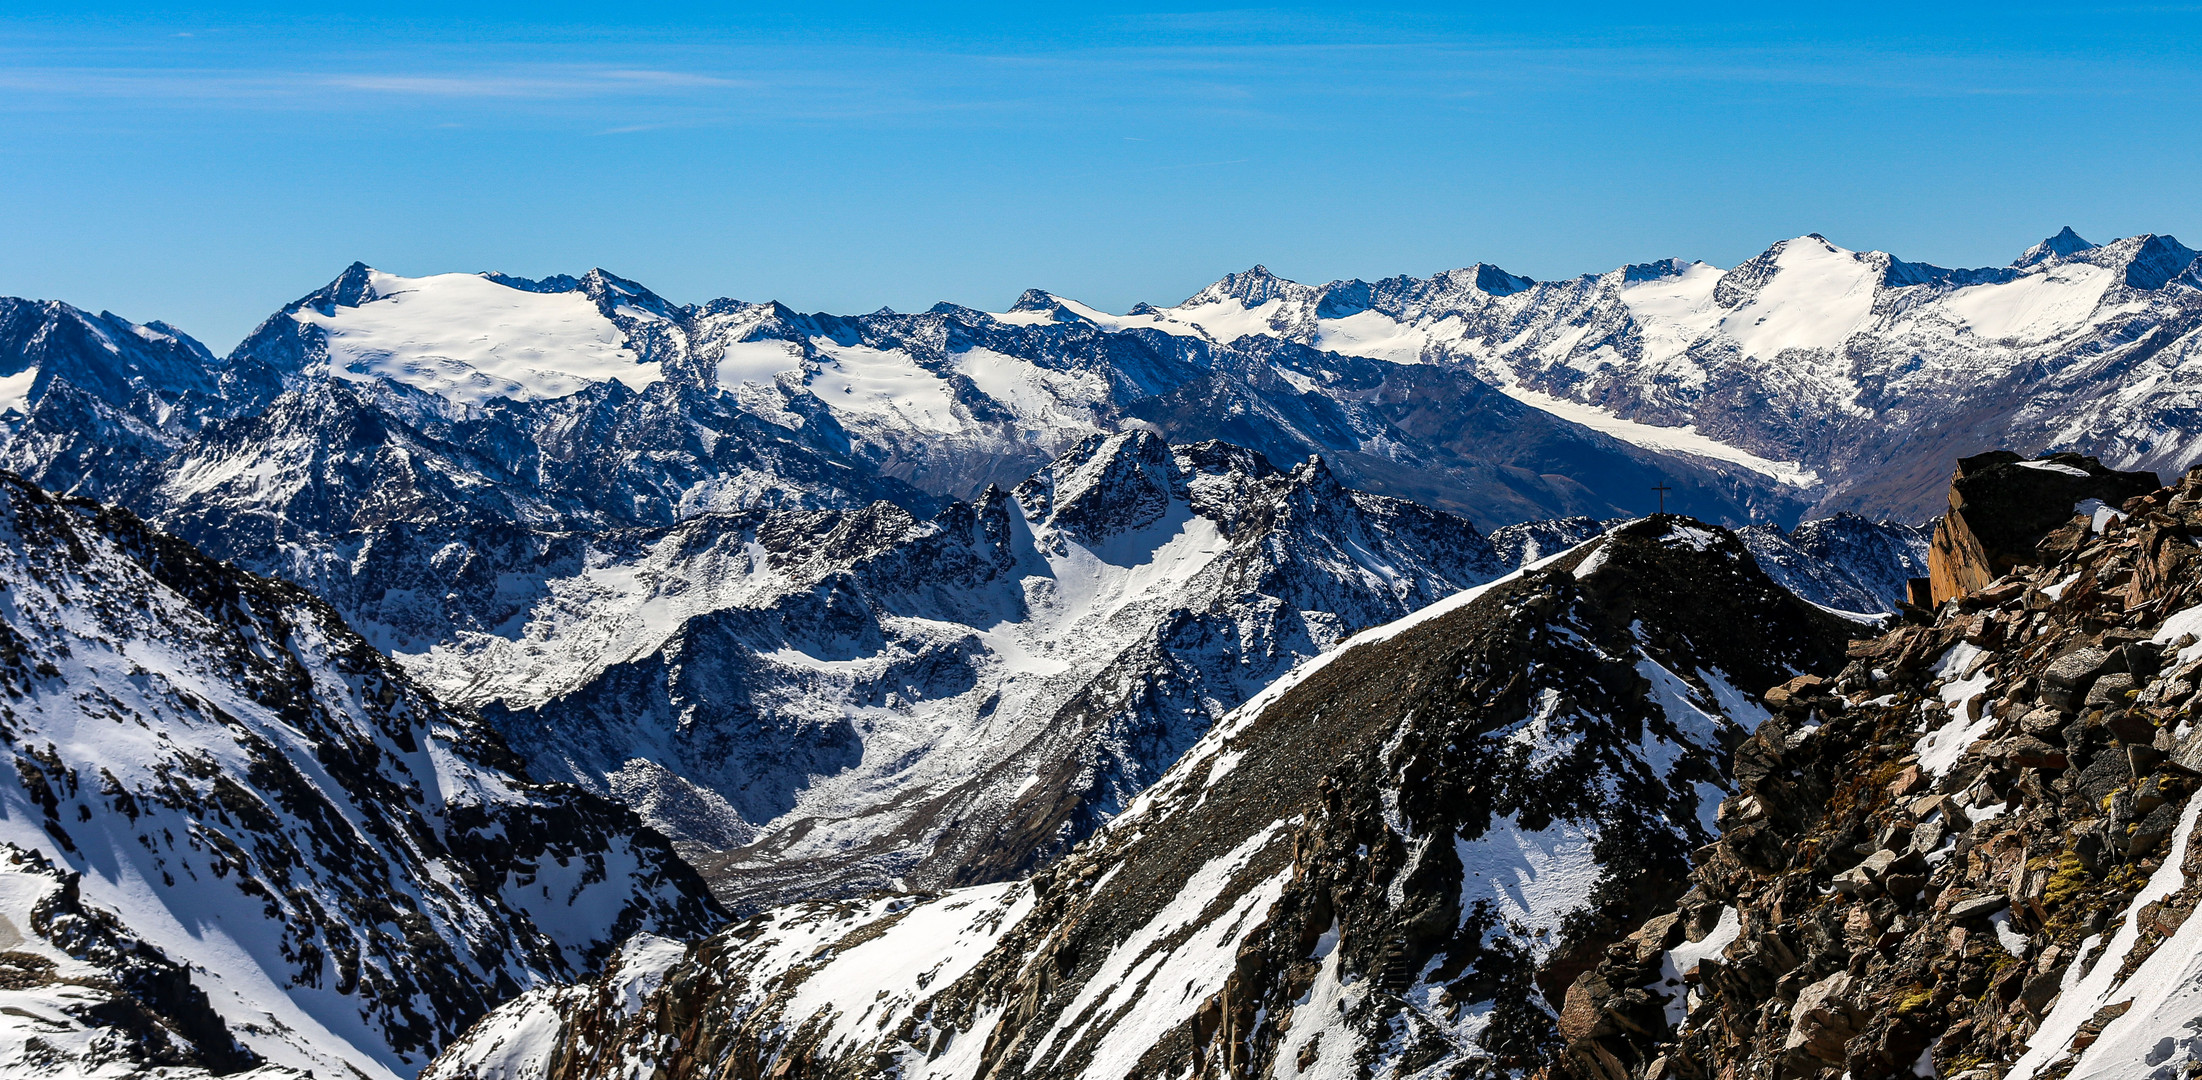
x: 471, y: 339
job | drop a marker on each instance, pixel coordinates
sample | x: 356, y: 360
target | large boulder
x: 2001, y: 505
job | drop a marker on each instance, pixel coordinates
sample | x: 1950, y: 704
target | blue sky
x: 205, y: 165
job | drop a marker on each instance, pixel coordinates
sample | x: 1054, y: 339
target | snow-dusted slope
x: 104, y: 355
x: 1376, y: 867
x: 852, y: 698
x: 1973, y: 853
x: 245, y: 790
x: 1843, y: 562
x: 87, y: 401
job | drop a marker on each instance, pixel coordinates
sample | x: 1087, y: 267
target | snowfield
x: 470, y: 339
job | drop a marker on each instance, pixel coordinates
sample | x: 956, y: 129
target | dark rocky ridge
x: 1843, y: 562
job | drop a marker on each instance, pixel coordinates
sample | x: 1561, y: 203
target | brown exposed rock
x: 1824, y: 1019
x: 1801, y: 686
x: 2002, y: 506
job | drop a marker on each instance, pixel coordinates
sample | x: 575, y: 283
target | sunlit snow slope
x: 471, y: 339
x: 1812, y: 364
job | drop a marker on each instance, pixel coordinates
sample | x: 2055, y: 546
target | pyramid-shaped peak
x: 1036, y: 300
x: 1497, y: 282
x: 1251, y: 287
x: 351, y: 288
x: 2065, y: 243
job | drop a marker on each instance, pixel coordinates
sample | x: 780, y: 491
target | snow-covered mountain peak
x: 471, y: 338
x: 1037, y: 306
x: 2066, y: 242
x: 1104, y: 485
x: 1249, y: 288
x: 2151, y: 261
x: 1801, y: 293
x: 1389, y: 863
x: 105, y: 355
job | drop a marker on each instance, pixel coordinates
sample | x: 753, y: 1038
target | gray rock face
x: 2043, y: 903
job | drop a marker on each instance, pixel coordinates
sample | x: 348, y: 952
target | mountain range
x: 842, y: 622
x: 1804, y: 381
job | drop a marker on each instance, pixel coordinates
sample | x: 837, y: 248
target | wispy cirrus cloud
x: 567, y: 83
x: 214, y: 84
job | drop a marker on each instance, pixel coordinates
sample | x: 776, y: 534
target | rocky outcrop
x: 1844, y: 562
x: 2002, y: 504
x: 1972, y: 853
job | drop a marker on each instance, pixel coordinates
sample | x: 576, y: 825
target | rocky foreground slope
x: 232, y: 834
x: 1972, y: 853
x: 1392, y: 862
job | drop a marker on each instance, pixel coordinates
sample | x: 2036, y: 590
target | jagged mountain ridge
x: 949, y: 400
x: 851, y: 699
x: 1807, y: 376
x: 273, y: 845
x: 1858, y: 368
x: 1379, y: 863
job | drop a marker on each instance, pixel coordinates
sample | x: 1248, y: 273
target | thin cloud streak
x: 230, y: 85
